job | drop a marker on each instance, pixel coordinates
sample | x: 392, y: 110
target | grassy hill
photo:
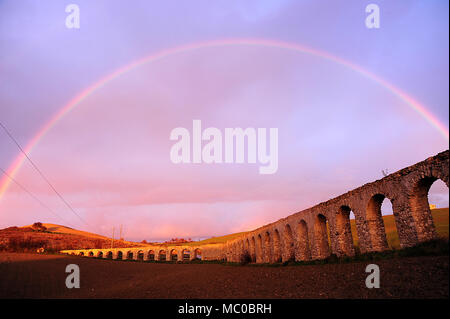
x: 217, y: 240
x: 53, y: 239
x: 54, y: 228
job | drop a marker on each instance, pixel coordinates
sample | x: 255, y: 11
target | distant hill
x: 54, y: 228
x: 216, y: 240
x: 53, y: 239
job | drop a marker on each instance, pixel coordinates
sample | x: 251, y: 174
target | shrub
x: 245, y: 258
x: 18, y: 244
x: 39, y: 227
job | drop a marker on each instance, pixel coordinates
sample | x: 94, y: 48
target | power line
x: 40, y: 173
x: 32, y: 195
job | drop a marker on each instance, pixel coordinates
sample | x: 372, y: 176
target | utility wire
x: 40, y: 173
x: 32, y: 195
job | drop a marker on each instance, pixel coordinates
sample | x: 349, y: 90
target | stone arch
x: 100, y: 254
x: 228, y: 252
x: 173, y: 255
x: 186, y: 254
x: 198, y: 253
x: 151, y: 255
x: 420, y: 208
x: 140, y: 255
x: 246, y: 250
x: 237, y: 251
x: 129, y: 255
x: 276, y: 246
x: 91, y: 254
x: 322, y: 243
x: 243, y: 250
x: 267, y: 247
x: 162, y: 255
x: 289, y: 244
x: 344, y: 234
x: 119, y: 255
x: 232, y: 252
x: 303, y: 247
x: 375, y: 224
x: 81, y: 253
x: 259, y: 249
x: 253, y: 249
x: 109, y: 255
x: 240, y: 249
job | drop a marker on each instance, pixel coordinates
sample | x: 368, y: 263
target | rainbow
x: 415, y: 105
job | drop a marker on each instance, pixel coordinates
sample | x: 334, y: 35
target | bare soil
x: 26, y: 275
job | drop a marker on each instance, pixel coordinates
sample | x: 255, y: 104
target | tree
x: 39, y: 227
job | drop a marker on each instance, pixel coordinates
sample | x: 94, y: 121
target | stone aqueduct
x: 152, y: 252
x: 324, y: 229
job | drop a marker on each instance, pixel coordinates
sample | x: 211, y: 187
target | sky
x: 109, y: 156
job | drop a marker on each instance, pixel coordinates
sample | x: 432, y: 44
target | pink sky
x: 109, y: 156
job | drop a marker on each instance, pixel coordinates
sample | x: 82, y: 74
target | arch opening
x: 140, y: 255
x: 198, y: 253
x: 186, y: 253
x: 162, y: 255
x: 109, y: 255
x: 129, y: 255
x: 151, y: 255
x: 173, y: 255
x: 427, y: 195
x: 376, y: 208
x: 119, y: 255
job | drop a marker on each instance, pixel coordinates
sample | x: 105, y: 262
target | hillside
x: 53, y: 239
x: 217, y: 240
x: 54, y: 228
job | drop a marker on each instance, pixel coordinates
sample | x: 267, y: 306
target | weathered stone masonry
x: 304, y: 235
x: 152, y: 252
